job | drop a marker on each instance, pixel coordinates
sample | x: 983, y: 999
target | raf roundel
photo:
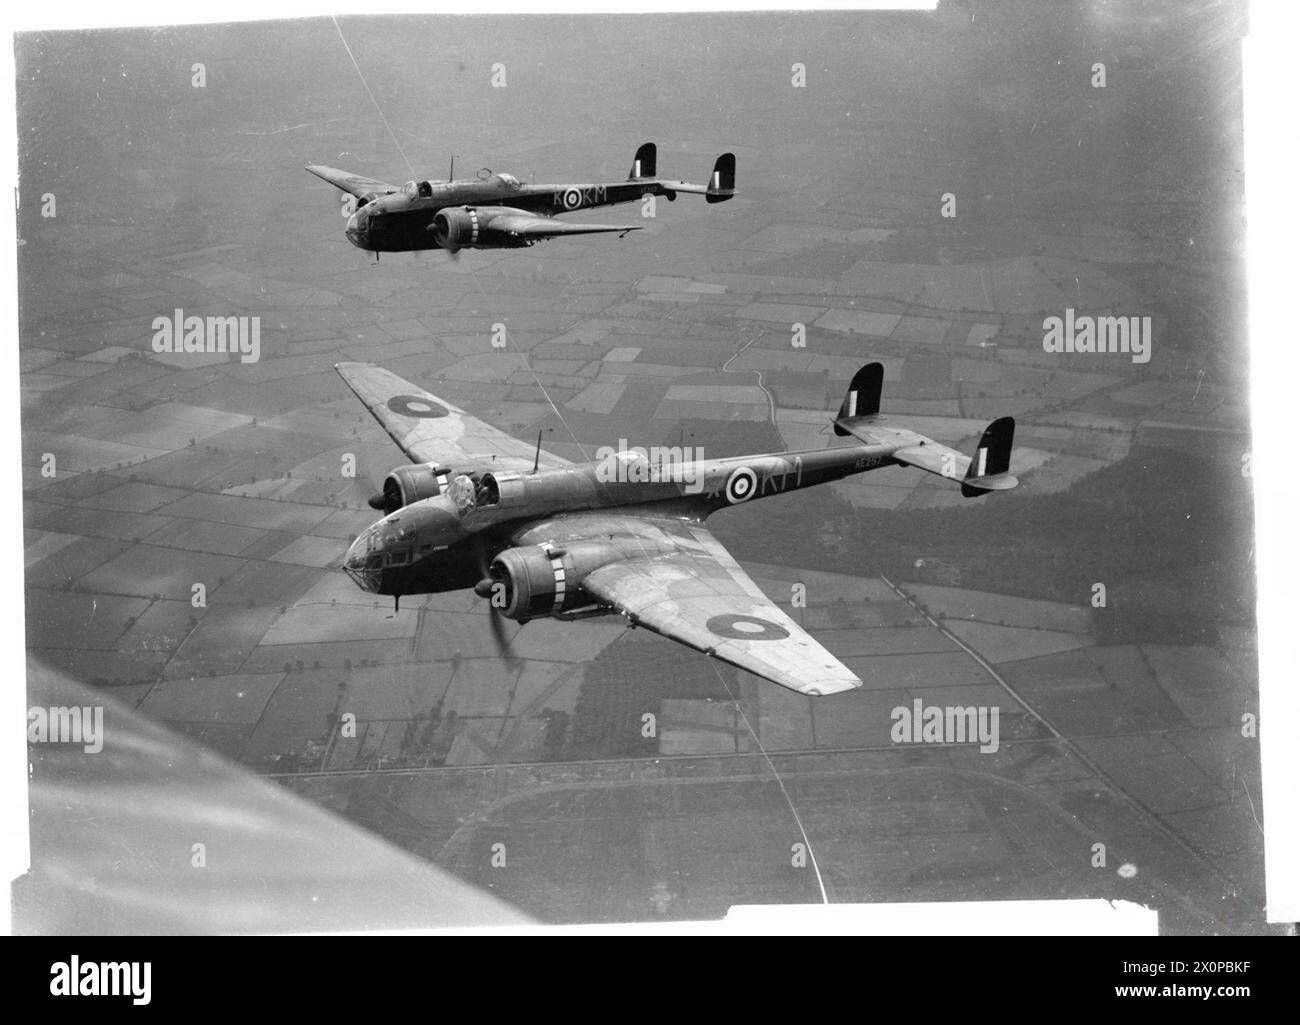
x: 741, y: 485
x: 416, y: 406
x: 746, y: 628
x: 572, y: 199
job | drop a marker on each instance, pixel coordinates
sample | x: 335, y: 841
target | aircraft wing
x: 681, y: 186
x: 525, y: 225
x: 107, y: 827
x: 431, y: 430
x: 686, y: 586
x: 349, y: 182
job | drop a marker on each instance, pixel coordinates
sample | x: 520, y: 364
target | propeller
x: 484, y: 589
x: 389, y: 499
x: 453, y: 254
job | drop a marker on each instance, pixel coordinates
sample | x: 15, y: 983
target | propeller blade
x: 485, y: 589
x: 499, y: 630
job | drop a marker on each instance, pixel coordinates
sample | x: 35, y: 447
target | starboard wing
x: 687, y: 586
x: 531, y: 226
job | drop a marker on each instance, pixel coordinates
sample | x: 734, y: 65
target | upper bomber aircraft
x: 498, y: 211
x: 540, y: 536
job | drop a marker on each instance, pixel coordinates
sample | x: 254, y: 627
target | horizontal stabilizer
x: 860, y: 417
x: 993, y: 482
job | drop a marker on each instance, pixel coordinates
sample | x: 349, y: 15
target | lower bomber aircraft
x: 498, y: 211
x: 540, y: 536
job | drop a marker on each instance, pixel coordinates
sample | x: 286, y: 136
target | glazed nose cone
x: 363, y: 566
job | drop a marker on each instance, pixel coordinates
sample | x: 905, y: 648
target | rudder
x: 644, y: 163
x: 722, y: 183
x: 863, y: 397
x: 988, y: 470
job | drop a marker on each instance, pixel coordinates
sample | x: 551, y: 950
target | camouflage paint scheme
x: 498, y: 211
x: 546, y: 537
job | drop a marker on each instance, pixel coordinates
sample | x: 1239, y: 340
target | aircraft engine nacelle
x: 407, y: 484
x: 541, y: 580
x: 468, y: 227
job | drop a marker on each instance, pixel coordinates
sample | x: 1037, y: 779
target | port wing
x: 357, y: 185
x: 431, y: 430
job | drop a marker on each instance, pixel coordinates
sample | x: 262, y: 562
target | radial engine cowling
x: 408, y: 484
x: 456, y: 228
x: 467, y: 227
x: 541, y: 580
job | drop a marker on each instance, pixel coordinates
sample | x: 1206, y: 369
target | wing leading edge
x: 431, y: 430
x: 698, y: 595
x: 358, y: 185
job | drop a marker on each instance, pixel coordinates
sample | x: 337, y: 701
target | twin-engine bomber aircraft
x: 498, y: 211
x: 540, y: 536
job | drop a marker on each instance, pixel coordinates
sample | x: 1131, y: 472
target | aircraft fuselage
x: 438, y: 543
x: 403, y: 221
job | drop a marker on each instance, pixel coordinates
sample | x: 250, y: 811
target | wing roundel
x: 429, y: 429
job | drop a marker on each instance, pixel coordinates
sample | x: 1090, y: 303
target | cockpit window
x: 509, y: 180
x: 461, y: 491
x: 488, y: 493
x: 417, y: 190
x: 397, y: 557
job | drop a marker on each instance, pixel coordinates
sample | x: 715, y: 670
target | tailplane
x: 860, y: 417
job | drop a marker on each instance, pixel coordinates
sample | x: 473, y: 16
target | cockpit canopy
x: 508, y: 180
x: 483, y: 491
x: 418, y: 190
